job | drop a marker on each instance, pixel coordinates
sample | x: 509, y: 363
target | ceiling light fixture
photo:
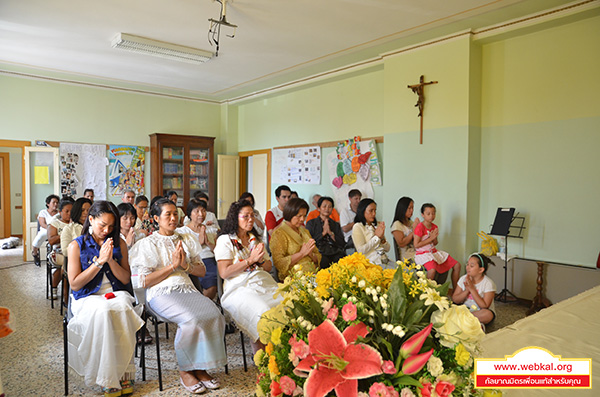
x: 143, y: 45
x: 214, y: 31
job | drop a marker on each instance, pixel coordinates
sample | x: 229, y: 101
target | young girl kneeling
x: 476, y: 290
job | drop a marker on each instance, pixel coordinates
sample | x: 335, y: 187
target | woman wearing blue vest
x: 102, y: 330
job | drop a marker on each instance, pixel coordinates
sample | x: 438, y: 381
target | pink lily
x: 413, y: 345
x: 413, y: 364
x: 333, y: 363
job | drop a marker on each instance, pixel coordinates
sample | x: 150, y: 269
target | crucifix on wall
x: 418, y: 89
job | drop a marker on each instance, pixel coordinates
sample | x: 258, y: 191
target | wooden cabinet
x: 183, y: 163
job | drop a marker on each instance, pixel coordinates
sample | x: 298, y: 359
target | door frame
x: 244, y: 170
x: 22, y: 145
x: 6, y: 192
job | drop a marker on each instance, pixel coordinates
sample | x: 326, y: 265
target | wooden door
x: 228, y: 182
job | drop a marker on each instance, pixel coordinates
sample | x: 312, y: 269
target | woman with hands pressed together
x: 244, y: 265
x: 291, y: 244
x: 164, y: 261
x: 102, y: 330
x: 369, y: 235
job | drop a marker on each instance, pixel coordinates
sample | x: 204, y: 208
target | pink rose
x: 349, y: 311
x: 378, y: 389
x: 287, y: 385
x: 326, y: 305
x: 300, y: 349
x: 332, y: 314
x: 393, y: 392
x: 443, y: 388
x: 427, y: 389
x: 388, y: 367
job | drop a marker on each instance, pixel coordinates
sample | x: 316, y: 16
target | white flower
x: 383, y: 304
x: 378, y: 289
x: 384, y: 325
x: 435, y: 366
x: 420, y: 274
x: 398, y: 331
x: 371, y: 313
x: 361, y: 283
x: 354, y: 280
x: 305, y: 324
x: 385, y: 313
x: 389, y: 327
x: 385, y: 296
x: 367, y: 290
x: 375, y: 298
x: 432, y: 297
x: 352, y: 299
x: 300, y: 319
x: 406, y: 392
x: 372, y: 320
x: 345, y: 295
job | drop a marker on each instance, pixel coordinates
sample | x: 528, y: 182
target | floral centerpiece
x: 357, y: 330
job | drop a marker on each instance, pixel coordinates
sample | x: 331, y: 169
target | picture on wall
x: 126, y: 169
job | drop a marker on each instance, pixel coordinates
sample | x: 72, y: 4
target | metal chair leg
x: 66, y: 356
x: 160, y: 382
x: 244, y: 352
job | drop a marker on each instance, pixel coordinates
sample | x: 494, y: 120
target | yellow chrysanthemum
x: 273, y: 368
x: 270, y: 320
x: 323, y: 280
x: 269, y: 348
x: 276, y: 336
x: 462, y: 355
x: 258, y: 356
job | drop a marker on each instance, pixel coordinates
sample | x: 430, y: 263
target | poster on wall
x: 340, y: 195
x: 125, y: 170
x: 355, y: 161
x: 83, y: 167
x: 297, y: 165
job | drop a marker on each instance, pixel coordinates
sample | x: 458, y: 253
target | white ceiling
x: 276, y: 41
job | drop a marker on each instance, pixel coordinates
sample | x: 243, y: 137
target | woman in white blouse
x: 244, y: 265
x: 369, y: 235
x: 164, y: 260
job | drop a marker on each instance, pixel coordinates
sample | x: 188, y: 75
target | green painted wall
x: 540, y: 138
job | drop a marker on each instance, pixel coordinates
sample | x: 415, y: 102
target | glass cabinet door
x: 172, y: 172
x: 199, y: 170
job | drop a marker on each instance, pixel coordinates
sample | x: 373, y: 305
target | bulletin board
x: 82, y: 166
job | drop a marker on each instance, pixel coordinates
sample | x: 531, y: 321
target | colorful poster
x: 82, y: 167
x: 126, y: 169
x: 356, y: 160
x: 297, y: 165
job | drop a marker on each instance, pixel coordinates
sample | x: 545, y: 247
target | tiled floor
x: 31, y: 359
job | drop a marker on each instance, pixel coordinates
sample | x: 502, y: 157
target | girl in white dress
x: 244, y: 265
x: 102, y: 330
x: 369, y: 235
x: 163, y: 261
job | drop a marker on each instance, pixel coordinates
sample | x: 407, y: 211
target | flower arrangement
x: 355, y: 329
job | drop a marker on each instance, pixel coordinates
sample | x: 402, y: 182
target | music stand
x: 501, y: 227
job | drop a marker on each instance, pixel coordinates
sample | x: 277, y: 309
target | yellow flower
x: 269, y: 348
x: 258, y: 356
x: 259, y: 391
x: 276, y: 336
x: 270, y: 320
x: 462, y: 355
x: 273, y: 368
x: 323, y: 280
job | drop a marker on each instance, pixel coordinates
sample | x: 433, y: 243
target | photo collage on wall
x: 68, y: 174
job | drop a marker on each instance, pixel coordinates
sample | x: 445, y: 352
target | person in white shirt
x: 274, y: 216
x: 44, y: 218
x: 348, y: 214
x: 259, y: 223
x: 476, y: 290
x: 369, y: 235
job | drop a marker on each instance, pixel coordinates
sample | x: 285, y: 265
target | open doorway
x: 12, y: 186
x: 255, y: 177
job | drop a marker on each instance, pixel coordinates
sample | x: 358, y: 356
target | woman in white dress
x: 402, y: 228
x: 102, y: 330
x: 163, y: 261
x: 196, y: 211
x: 369, y: 235
x: 244, y: 265
x: 259, y: 223
x: 44, y: 218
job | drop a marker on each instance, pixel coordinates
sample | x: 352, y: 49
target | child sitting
x: 476, y: 290
x: 425, y: 240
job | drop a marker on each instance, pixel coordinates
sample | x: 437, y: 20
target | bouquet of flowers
x: 355, y: 329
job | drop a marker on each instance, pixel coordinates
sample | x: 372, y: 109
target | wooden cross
x: 418, y: 89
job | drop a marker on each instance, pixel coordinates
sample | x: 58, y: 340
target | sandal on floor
x: 211, y: 384
x: 126, y: 387
x: 111, y: 392
x: 148, y: 339
x: 198, y: 388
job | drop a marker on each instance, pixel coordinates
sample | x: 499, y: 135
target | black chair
x: 67, y: 317
x: 49, y: 268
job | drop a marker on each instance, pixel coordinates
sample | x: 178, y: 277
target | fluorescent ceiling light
x: 143, y: 45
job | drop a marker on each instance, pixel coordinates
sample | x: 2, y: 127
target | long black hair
x: 126, y: 208
x: 360, y: 211
x: 401, y: 208
x: 77, y: 209
x: 231, y: 224
x: 157, y: 206
x: 98, y: 209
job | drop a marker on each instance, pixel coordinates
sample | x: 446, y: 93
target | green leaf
x: 443, y: 289
x: 416, y: 316
x: 407, y: 380
x: 397, y: 298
